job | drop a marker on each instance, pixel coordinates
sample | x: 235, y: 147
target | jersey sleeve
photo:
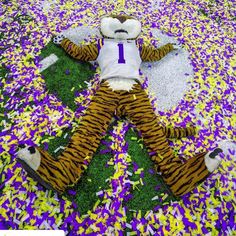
x: 87, y: 52
x: 149, y: 53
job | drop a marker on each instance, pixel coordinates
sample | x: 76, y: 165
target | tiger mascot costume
x: 119, y: 57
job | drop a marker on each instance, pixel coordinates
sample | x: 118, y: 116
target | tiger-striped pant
x: 135, y: 105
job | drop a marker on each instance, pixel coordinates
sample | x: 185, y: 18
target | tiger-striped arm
x: 149, y: 53
x: 87, y: 52
x: 179, y: 132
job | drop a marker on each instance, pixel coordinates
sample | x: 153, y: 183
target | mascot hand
x: 58, y: 39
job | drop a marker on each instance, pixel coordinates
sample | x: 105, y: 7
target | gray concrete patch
x: 155, y: 4
x: 227, y: 146
x: 47, y: 5
x: 168, y: 78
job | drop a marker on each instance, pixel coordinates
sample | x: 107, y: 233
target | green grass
x: 65, y: 75
x: 92, y: 181
x: 3, y: 99
x: 142, y: 197
x: 57, y: 142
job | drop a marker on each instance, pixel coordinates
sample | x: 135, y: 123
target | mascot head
x: 120, y: 27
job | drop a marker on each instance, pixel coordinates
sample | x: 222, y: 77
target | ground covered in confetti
x: 30, y: 114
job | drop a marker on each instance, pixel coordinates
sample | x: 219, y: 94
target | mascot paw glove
x: 58, y: 39
x: 177, y: 46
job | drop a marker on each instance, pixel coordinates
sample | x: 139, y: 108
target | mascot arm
x: 87, y: 52
x: 149, y: 53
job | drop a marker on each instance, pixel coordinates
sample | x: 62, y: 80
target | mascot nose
x: 122, y: 19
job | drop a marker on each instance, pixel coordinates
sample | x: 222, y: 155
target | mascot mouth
x: 121, y: 31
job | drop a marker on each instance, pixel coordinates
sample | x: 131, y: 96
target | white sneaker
x: 213, y: 160
x: 30, y: 155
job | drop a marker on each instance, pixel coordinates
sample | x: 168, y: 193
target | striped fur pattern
x: 87, y: 52
x: 178, y: 132
x: 149, y: 53
x: 136, y: 107
x: 90, y: 51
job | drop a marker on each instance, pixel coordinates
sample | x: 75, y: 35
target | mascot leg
x: 57, y: 174
x: 180, y: 177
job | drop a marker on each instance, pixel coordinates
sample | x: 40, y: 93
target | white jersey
x: 119, y: 59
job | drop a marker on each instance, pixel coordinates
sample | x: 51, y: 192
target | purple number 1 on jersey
x: 121, y: 59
